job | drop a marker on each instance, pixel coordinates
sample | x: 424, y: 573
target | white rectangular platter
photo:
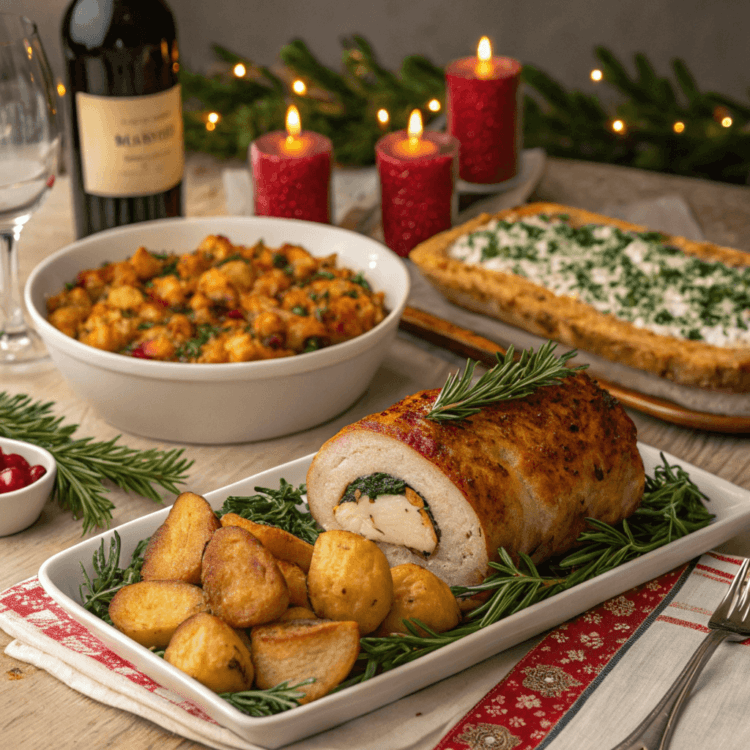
x: 61, y: 576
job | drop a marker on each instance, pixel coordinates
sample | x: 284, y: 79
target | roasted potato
x: 149, y: 612
x: 350, y: 579
x: 206, y: 648
x: 281, y: 544
x: 296, y: 582
x: 241, y: 580
x: 298, y: 650
x: 176, y: 548
x: 297, y: 613
x: 419, y: 593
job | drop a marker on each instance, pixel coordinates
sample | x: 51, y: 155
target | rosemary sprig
x: 508, y: 379
x: 97, y: 593
x: 82, y: 464
x: 285, y: 508
x: 267, y: 702
x: 672, y: 507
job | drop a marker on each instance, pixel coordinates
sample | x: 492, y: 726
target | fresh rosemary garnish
x: 671, y: 508
x: 97, y: 593
x: 82, y: 464
x: 276, y: 508
x: 267, y: 702
x: 507, y: 380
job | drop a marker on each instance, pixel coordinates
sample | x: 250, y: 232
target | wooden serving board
x: 469, y: 344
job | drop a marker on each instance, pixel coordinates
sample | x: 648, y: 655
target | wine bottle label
x: 131, y: 145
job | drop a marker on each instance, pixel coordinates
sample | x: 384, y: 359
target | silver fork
x: 731, y: 619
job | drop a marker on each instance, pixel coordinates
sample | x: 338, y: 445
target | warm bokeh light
x: 213, y: 117
x: 415, y: 128
x: 726, y: 122
x: 210, y: 125
x: 679, y: 127
x: 596, y: 75
x: 618, y: 126
x: 61, y: 89
x: 383, y: 116
x: 433, y: 105
x: 293, y: 122
x: 299, y: 87
x: 240, y: 70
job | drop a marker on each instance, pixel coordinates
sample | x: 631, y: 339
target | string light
x: 678, y: 127
x: 213, y: 117
x: 596, y: 75
x: 240, y: 70
x: 299, y: 87
x: 618, y: 126
x: 433, y: 105
x: 210, y: 126
x: 383, y: 116
x: 61, y: 89
x: 726, y: 122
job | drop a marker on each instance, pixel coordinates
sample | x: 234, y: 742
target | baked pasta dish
x: 675, y: 310
x: 219, y: 303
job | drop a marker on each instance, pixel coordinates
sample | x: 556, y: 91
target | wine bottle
x: 126, y: 140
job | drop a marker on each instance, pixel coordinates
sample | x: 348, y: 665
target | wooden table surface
x: 36, y: 710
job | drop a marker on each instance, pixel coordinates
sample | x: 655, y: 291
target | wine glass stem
x: 12, y: 320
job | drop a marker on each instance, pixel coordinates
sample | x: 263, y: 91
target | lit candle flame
x: 415, y: 128
x: 484, y: 58
x: 293, y: 123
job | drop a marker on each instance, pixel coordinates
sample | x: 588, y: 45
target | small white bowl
x: 231, y: 402
x: 20, y: 508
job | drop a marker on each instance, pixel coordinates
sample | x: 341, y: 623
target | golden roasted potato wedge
x: 282, y: 544
x: 176, y: 548
x: 419, y: 593
x: 350, y: 579
x: 297, y: 650
x: 296, y: 581
x: 206, y: 648
x: 149, y: 612
x: 241, y: 579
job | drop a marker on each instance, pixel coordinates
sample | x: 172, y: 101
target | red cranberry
x: 12, y: 479
x: 36, y: 472
x: 13, y: 459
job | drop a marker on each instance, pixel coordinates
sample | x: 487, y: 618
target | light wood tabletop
x: 38, y: 711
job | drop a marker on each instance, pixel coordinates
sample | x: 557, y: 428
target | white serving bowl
x: 229, y: 402
x: 20, y: 508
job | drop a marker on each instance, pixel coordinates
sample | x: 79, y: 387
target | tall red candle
x: 483, y: 112
x: 292, y: 173
x: 417, y: 184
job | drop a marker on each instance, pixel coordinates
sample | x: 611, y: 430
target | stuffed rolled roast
x: 523, y: 475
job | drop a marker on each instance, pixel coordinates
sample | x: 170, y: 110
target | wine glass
x: 29, y: 156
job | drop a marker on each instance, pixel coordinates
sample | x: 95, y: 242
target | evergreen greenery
x: 343, y: 105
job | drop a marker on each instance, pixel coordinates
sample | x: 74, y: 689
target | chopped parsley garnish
x: 633, y: 276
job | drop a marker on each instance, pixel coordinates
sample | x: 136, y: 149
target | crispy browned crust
x: 570, y: 447
x: 522, y: 303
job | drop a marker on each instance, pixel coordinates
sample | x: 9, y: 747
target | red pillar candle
x: 292, y: 173
x: 417, y: 173
x: 483, y: 112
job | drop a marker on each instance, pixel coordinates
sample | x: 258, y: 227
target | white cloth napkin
x: 631, y: 647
